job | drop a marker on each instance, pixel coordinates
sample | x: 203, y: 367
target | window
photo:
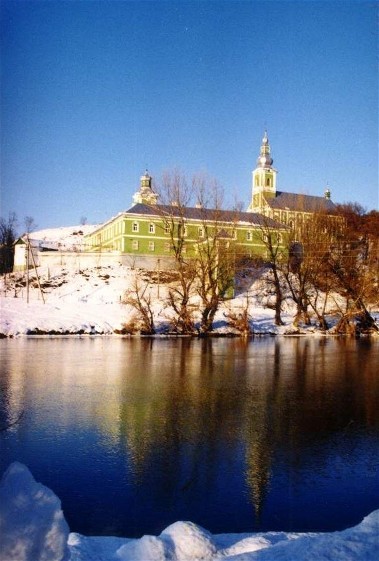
x: 167, y: 246
x: 135, y: 227
x: 249, y: 236
x: 167, y: 229
x: 151, y: 228
x: 268, y: 182
x: 201, y: 232
x: 151, y: 246
x: 135, y: 244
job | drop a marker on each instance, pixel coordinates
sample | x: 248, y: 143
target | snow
x: 66, y: 237
x: 33, y: 528
x: 75, y: 301
x: 32, y: 525
x: 89, y: 301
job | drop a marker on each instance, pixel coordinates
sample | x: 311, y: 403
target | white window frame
x: 151, y: 228
x: 151, y: 246
x: 135, y: 245
x: 135, y: 227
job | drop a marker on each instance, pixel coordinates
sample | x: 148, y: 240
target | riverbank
x: 90, y: 302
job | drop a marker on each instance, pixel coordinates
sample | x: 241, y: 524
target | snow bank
x: 32, y: 528
x: 32, y: 525
x: 90, y: 301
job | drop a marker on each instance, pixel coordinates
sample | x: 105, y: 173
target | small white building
x: 50, y: 245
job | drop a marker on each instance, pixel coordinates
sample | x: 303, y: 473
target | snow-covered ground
x: 90, y: 301
x: 33, y: 528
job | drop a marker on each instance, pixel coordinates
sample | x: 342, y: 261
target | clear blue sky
x: 94, y: 92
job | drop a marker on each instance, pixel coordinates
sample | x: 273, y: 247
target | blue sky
x: 95, y: 92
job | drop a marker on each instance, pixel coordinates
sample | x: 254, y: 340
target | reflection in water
x: 232, y: 434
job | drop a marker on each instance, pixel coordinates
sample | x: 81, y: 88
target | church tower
x: 145, y: 195
x: 264, y: 178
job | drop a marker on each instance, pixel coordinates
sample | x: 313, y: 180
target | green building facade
x: 149, y: 229
x: 145, y: 229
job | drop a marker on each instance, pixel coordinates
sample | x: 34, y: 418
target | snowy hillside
x: 91, y: 301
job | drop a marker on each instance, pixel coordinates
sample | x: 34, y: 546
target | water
x: 132, y: 435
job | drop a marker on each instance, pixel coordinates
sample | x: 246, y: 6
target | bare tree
x: 355, y: 277
x: 7, y: 239
x: 332, y: 254
x: 296, y: 272
x: 274, y: 243
x: 202, y: 243
x: 317, y: 236
x: 30, y: 224
x: 140, y: 299
x: 175, y: 193
x: 215, y: 251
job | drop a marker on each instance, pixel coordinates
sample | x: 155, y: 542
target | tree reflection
x: 184, y: 418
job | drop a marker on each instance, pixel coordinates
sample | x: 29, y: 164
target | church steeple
x: 264, y: 178
x: 145, y: 195
x: 264, y: 159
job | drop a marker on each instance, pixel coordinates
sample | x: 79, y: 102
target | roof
x: 302, y: 203
x: 65, y: 237
x: 205, y: 214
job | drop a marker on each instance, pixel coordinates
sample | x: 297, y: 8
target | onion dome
x: 264, y: 159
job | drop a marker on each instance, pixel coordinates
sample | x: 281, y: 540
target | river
x: 234, y: 435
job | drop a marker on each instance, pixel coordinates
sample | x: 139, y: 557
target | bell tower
x: 145, y: 195
x: 264, y: 178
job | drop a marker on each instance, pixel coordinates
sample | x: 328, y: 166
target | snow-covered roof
x: 65, y: 237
